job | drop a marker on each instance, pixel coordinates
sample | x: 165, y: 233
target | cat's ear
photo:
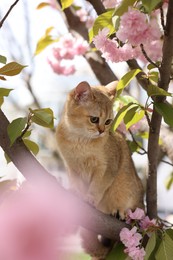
x: 111, y: 88
x: 82, y: 91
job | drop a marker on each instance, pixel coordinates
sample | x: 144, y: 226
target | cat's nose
x: 101, y: 129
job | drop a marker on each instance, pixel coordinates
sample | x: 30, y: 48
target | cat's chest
x: 82, y: 156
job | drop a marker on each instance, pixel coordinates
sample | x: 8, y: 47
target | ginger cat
x: 98, y: 161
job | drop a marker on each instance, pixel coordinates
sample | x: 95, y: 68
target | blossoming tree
x: 140, y: 33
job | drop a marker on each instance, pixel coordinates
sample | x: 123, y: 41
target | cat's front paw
x: 119, y: 213
x: 90, y: 199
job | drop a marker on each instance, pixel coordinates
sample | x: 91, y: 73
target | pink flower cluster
x: 66, y: 49
x: 31, y: 225
x: 110, y: 49
x: 135, y: 28
x: 111, y: 3
x: 132, y: 238
x: 85, y: 17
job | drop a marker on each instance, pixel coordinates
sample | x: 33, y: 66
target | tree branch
x: 33, y: 171
x: 8, y: 12
x: 154, y: 132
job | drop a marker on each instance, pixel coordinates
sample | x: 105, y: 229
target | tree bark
x: 154, y: 132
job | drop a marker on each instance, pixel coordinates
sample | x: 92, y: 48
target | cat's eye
x: 94, y: 119
x: 108, y: 122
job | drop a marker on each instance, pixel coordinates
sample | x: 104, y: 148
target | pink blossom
x: 101, y: 39
x: 111, y: 3
x: 82, y: 14
x: 61, y: 69
x: 30, y: 226
x: 68, y: 47
x: 135, y: 253
x: 110, y: 49
x: 135, y: 28
x: 130, y: 238
x: 85, y: 17
x: 153, y: 50
x: 138, y: 214
x: 80, y: 47
x: 145, y: 223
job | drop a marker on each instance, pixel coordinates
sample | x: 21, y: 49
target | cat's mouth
x: 98, y: 134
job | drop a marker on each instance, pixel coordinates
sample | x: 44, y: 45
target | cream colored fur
x: 98, y: 161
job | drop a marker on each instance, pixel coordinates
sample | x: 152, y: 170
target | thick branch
x: 27, y: 164
x: 153, y: 147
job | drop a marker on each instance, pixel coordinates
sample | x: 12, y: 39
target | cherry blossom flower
x: 138, y: 214
x: 61, y: 69
x: 145, y: 223
x: 130, y: 238
x: 111, y: 3
x: 135, y: 28
x: 30, y: 225
x: 66, y: 49
x: 136, y: 253
x: 110, y: 49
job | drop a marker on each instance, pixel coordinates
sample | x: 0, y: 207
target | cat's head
x: 88, y: 110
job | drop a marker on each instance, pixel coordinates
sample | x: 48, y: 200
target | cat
x: 98, y: 161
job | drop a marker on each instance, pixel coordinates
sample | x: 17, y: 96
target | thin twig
x: 134, y: 140
x: 166, y: 162
x: 144, y: 151
x: 8, y: 12
x: 146, y: 56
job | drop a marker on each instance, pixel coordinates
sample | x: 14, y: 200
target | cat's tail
x: 98, y: 248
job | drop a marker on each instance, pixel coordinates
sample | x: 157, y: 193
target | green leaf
x: 165, y: 250
x: 41, y: 5
x: 123, y: 7
x: 133, y: 116
x: 4, y: 92
x: 150, y: 5
x: 102, y: 21
x: 133, y: 146
x: 44, y: 41
x: 166, y: 110
x: 66, y: 3
x: 43, y: 117
x: 126, y: 99
x: 32, y: 146
x: 120, y: 115
x: 27, y: 134
x: 156, y: 91
x: 125, y: 80
x: 15, y: 128
x: 150, y: 245
x: 170, y: 232
x: 11, y: 69
x: 117, y: 253
x: 169, y: 181
x: 3, y: 59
